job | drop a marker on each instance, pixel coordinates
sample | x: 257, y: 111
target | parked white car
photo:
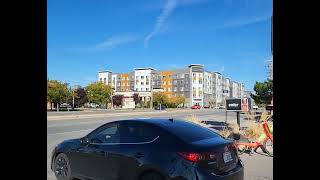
x: 93, y: 105
x: 255, y: 107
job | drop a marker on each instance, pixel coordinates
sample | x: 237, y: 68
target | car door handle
x: 139, y: 155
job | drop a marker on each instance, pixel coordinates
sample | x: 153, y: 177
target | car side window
x: 109, y: 134
x: 137, y: 132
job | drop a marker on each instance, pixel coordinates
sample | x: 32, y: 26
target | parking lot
x: 67, y: 125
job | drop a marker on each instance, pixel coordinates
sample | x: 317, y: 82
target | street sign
x: 128, y: 103
x: 225, y: 91
x: 233, y: 104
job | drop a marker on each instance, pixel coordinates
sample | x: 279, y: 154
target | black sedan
x: 148, y: 149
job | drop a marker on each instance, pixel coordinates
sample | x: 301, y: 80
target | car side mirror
x: 85, y: 140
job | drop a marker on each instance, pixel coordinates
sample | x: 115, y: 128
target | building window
x: 142, y: 77
x: 181, y: 89
x: 147, y: 89
x: 137, y: 77
x: 141, y: 89
x: 164, y: 82
x: 169, y: 89
x: 175, y: 89
x: 100, y: 79
x: 194, y: 78
x: 174, y: 82
x: 194, y: 92
x: 200, y: 92
x: 142, y: 83
x: 147, y: 83
x: 153, y: 83
x: 137, y: 89
x: 169, y: 82
x: 137, y: 82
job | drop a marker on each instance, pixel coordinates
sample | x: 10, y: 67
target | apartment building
x: 143, y: 79
x: 105, y: 77
x: 208, y: 95
x: 166, y: 84
x: 125, y: 82
x: 196, y: 84
x: 217, y: 78
x: 181, y: 84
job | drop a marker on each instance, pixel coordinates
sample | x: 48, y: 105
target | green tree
x: 175, y: 101
x: 263, y: 92
x: 57, y: 92
x: 80, y: 97
x: 159, y: 98
x: 99, y: 93
x: 181, y: 100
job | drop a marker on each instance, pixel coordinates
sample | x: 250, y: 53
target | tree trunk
x: 51, y: 106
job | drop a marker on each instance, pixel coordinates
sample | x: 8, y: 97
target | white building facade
x: 218, y: 88
x: 142, y: 79
x: 105, y: 77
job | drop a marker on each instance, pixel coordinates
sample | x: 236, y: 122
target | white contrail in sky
x: 166, y: 12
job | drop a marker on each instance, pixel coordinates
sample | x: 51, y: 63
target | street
x: 67, y: 125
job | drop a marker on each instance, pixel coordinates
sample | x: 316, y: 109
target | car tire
x: 151, y: 176
x: 61, y: 168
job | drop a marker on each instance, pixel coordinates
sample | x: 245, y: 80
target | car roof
x: 158, y: 121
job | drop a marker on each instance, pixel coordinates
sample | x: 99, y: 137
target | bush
x: 254, y: 131
x: 230, y: 130
x: 195, y: 119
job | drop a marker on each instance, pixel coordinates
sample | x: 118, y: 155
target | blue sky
x: 230, y: 36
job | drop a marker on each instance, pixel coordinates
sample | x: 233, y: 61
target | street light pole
x: 111, y: 101
x: 73, y: 100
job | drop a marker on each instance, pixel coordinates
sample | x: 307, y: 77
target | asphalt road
x: 67, y: 125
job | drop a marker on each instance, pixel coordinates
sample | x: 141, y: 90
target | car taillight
x: 196, y: 157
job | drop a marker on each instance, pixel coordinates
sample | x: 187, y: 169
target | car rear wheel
x: 151, y: 176
x: 62, y: 169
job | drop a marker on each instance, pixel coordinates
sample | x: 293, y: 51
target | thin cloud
x: 166, y: 12
x: 113, y: 42
x: 168, y: 9
x: 242, y: 22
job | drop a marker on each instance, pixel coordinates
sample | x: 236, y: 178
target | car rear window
x: 189, y: 132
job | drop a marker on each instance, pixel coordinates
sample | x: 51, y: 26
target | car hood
x: 70, y: 143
